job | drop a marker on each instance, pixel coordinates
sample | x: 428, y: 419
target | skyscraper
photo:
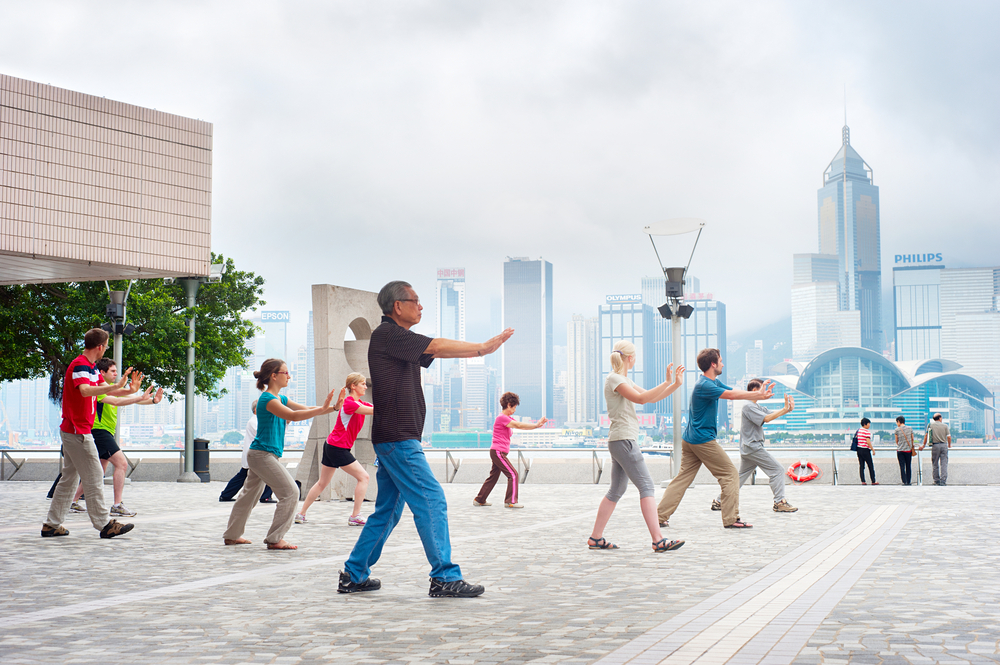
x: 275, y: 326
x: 621, y: 319
x: 755, y: 359
x: 849, y: 228
x: 527, y: 356
x: 450, y: 372
x: 581, y: 369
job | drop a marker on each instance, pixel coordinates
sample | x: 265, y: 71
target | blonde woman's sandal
x: 600, y: 544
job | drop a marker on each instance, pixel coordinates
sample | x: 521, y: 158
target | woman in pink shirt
x: 337, y: 450
x: 498, y: 453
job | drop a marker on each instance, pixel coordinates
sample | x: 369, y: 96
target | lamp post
x: 117, y: 328
x: 191, y: 285
x: 675, y: 310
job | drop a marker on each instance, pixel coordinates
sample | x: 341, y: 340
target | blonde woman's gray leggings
x: 628, y: 464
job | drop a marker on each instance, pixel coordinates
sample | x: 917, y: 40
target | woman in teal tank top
x: 274, y: 410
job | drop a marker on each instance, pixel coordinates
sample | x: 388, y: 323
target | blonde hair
x: 622, y: 348
x: 354, y: 378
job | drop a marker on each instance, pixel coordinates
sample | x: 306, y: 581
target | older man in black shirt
x: 395, y: 356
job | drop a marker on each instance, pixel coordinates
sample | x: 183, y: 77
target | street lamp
x: 675, y: 309
x: 117, y: 327
x: 191, y: 285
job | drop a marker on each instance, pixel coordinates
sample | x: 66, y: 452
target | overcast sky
x: 358, y: 142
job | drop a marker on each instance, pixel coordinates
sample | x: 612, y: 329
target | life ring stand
x: 803, y: 471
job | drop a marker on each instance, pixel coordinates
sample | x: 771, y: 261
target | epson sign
x: 274, y: 317
x: 918, y: 258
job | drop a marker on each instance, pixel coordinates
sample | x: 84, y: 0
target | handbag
x: 854, y: 442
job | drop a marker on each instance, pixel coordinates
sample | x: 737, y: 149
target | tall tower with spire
x: 849, y: 229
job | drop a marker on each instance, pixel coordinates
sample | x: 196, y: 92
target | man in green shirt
x: 105, y: 420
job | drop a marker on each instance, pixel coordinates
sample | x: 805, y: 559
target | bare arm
x: 519, y: 425
x: 295, y: 406
x: 764, y: 392
x: 107, y: 388
x: 131, y: 399
x: 441, y: 347
x: 365, y: 410
x: 789, y: 407
x: 640, y: 396
x: 301, y: 413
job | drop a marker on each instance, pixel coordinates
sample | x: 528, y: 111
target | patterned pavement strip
x: 169, y: 592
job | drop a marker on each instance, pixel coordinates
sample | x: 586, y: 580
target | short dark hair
x: 937, y: 416
x: 509, y: 399
x: 754, y: 384
x: 390, y: 294
x: 104, y: 364
x: 94, y: 338
x: 901, y: 420
x: 707, y: 358
x: 865, y: 421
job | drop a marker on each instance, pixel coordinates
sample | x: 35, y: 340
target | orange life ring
x: 795, y: 474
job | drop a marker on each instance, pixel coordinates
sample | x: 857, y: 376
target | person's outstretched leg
x: 491, y: 480
x: 619, y: 482
x: 507, y: 469
x: 423, y: 494
x: 234, y: 485
x: 861, y: 464
x: 678, y: 485
x: 325, y: 475
x: 715, y: 458
x: 245, y: 502
x: 388, y: 509
x: 118, y: 478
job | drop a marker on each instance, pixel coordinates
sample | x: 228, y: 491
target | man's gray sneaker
x: 120, y: 510
x: 456, y: 589
x: 345, y: 585
x: 77, y: 508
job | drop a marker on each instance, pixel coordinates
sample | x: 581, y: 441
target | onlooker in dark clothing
x: 865, y: 449
x: 904, y: 448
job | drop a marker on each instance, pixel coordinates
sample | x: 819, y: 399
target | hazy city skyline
x: 406, y: 138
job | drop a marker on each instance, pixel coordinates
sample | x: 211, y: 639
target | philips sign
x: 274, y: 317
x: 635, y: 297
x: 918, y: 258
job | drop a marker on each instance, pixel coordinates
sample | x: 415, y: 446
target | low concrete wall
x: 475, y: 467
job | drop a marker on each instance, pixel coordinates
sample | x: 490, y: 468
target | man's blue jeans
x: 405, y: 477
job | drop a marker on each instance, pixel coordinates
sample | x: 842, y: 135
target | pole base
x: 189, y: 477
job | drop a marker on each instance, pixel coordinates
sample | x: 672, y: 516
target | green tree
x: 232, y: 437
x: 42, y: 328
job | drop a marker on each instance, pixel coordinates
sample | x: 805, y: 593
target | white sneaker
x: 119, y: 510
x: 300, y: 518
x: 77, y: 508
x: 512, y: 505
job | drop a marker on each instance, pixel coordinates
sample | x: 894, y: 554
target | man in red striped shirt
x: 80, y: 458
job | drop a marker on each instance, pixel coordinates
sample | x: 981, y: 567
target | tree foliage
x: 42, y: 328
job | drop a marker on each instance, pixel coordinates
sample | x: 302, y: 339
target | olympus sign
x: 634, y: 297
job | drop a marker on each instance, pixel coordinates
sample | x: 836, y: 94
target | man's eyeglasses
x: 414, y: 300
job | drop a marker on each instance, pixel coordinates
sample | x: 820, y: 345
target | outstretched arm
x: 789, y: 407
x: 519, y: 425
x: 764, y: 392
x: 441, y: 347
x: 640, y: 396
x: 296, y: 415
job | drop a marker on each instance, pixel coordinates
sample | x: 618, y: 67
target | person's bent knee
x: 613, y: 497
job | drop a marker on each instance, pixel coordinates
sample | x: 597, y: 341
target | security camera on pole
x: 191, y: 285
x: 675, y: 309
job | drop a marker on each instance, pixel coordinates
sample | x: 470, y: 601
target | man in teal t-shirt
x: 700, y: 447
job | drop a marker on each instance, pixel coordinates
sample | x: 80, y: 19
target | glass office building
x: 621, y: 317
x: 849, y: 212
x: 916, y: 294
x: 527, y: 356
x: 450, y: 372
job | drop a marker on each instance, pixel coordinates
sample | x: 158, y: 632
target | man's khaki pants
x: 81, y: 463
x: 265, y: 468
x: 715, y: 458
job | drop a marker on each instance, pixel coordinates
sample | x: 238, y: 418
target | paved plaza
x: 885, y: 574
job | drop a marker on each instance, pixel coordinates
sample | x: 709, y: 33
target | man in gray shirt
x: 752, y: 453
x: 940, y: 438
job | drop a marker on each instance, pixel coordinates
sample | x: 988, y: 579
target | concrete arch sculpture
x: 335, y: 310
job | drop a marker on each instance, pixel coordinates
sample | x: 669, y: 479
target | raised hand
x: 492, y: 344
x: 329, y: 398
x: 789, y: 402
x: 766, y: 390
x: 123, y: 379
x: 340, y: 399
x: 159, y: 396
x: 542, y: 421
x: 135, y: 382
x: 679, y: 378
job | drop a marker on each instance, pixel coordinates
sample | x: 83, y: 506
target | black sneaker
x: 456, y: 589
x: 53, y: 531
x: 115, y: 528
x: 345, y: 585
